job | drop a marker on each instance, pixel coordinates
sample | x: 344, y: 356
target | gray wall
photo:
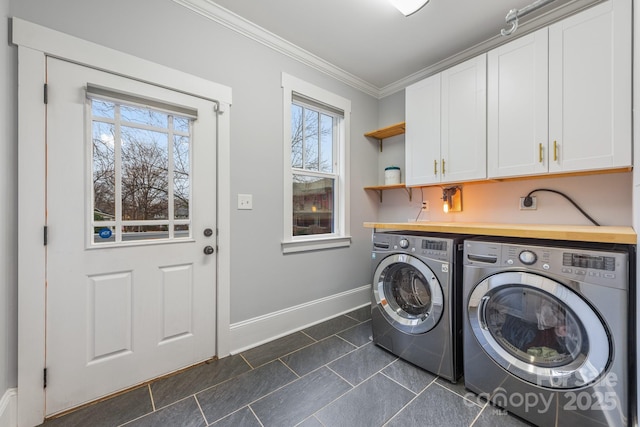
x: 263, y: 280
x: 8, y: 210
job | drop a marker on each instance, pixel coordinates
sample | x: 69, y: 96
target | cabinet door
x: 590, y: 89
x: 422, y: 132
x: 517, y: 102
x: 464, y: 121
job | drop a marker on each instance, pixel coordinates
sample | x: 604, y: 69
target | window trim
x: 340, y: 238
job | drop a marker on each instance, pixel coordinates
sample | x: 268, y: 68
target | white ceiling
x: 372, y: 44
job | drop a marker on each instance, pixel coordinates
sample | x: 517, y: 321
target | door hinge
x: 45, y: 235
x: 45, y: 378
x: 46, y: 93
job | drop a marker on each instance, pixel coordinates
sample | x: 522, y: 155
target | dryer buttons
x: 404, y: 243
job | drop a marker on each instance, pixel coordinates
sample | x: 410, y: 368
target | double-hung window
x: 316, y: 124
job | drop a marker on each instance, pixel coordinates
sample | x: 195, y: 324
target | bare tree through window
x: 151, y: 149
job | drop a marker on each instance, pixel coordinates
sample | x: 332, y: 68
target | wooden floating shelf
x: 387, y: 132
x: 381, y: 188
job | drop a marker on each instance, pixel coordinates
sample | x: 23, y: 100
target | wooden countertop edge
x: 580, y: 233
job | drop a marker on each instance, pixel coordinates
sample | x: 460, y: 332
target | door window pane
x: 181, y: 177
x: 141, y: 171
x: 145, y: 169
x: 143, y: 116
x: 104, y: 171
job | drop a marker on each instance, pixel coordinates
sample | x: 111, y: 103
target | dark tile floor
x: 330, y: 374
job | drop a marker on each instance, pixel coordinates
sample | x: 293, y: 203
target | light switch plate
x: 245, y: 201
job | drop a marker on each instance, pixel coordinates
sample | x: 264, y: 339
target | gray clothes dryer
x: 546, y: 329
x: 415, y: 308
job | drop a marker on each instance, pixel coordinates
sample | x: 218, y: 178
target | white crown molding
x: 225, y: 17
x: 242, y: 26
x: 545, y: 19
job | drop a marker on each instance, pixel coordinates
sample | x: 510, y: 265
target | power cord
x: 528, y: 201
x: 421, y: 198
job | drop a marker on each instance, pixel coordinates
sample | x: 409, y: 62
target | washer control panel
x: 425, y: 246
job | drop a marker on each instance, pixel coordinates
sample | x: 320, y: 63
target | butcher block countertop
x: 580, y: 233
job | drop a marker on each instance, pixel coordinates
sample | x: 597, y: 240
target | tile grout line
x: 153, y: 403
x: 345, y: 340
x: 410, y: 401
x: 246, y: 361
x: 290, y: 368
x: 204, y: 417
x: 460, y: 396
x: 255, y: 415
x: 403, y: 386
x: 479, y: 414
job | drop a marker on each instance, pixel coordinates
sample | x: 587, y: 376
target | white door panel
x: 121, y: 314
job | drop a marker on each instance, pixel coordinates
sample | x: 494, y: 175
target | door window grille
x: 140, y: 168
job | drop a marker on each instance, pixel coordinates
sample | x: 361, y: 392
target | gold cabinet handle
x: 540, y: 149
x: 555, y: 151
x: 443, y: 172
x: 435, y: 167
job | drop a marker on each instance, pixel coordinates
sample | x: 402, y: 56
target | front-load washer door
x: 408, y: 293
x: 539, y: 330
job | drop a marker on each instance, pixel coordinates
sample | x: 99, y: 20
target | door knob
x: 208, y: 232
x: 208, y: 250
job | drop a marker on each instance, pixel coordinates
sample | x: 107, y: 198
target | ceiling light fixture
x: 408, y: 7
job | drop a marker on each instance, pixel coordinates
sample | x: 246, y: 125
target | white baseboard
x: 259, y: 330
x: 9, y: 408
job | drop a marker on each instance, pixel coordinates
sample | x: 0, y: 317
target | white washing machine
x: 415, y: 310
x: 547, y: 329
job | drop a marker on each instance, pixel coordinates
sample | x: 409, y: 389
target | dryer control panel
x: 609, y: 268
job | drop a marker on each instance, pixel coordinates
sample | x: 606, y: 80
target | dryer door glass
x: 539, y: 330
x: 408, y: 293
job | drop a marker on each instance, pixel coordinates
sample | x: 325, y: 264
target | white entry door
x: 131, y: 220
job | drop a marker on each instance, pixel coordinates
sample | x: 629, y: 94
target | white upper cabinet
x: 559, y: 99
x: 445, y: 137
x: 590, y: 89
x: 422, y: 132
x: 518, y: 107
x: 464, y: 121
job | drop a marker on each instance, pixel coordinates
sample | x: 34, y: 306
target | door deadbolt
x: 208, y: 232
x: 208, y: 250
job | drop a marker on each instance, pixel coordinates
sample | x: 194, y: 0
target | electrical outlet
x: 531, y: 206
x: 425, y: 206
x: 245, y: 201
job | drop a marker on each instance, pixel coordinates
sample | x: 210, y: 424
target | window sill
x: 315, y: 244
